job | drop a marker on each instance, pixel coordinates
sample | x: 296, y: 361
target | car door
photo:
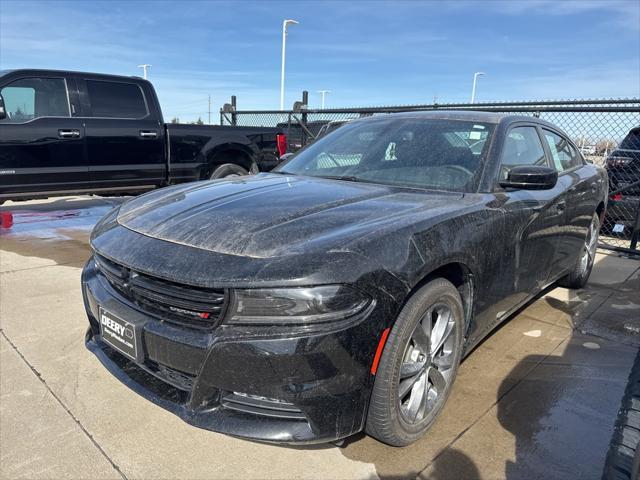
x: 532, y: 219
x: 125, y: 141
x: 41, y: 140
x: 578, y: 180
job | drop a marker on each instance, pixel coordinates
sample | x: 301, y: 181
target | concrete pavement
x: 537, y: 399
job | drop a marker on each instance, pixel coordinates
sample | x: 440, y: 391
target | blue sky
x: 365, y: 53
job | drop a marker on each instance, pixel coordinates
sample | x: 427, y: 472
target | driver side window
x: 29, y: 98
x: 521, y: 147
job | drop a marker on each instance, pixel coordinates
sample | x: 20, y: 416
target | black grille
x: 195, y: 307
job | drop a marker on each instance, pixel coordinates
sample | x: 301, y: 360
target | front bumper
x: 258, y: 382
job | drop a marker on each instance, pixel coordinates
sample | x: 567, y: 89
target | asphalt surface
x: 537, y: 399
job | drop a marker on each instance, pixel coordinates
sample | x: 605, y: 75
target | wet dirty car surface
x: 537, y: 399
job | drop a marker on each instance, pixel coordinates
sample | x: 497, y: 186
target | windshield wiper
x: 282, y: 172
x: 346, y: 178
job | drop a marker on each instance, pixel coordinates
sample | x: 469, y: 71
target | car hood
x: 269, y: 215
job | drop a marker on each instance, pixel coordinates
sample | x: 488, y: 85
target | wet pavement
x: 537, y: 399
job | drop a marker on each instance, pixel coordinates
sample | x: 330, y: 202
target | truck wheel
x: 228, y: 170
x: 579, y: 274
x: 418, y: 365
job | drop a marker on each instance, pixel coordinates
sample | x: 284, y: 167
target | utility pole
x: 209, y: 109
x: 285, y: 24
x: 323, y: 93
x: 475, y: 80
x: 144, y: 67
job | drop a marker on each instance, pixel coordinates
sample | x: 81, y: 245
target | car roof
x: 468, y: 115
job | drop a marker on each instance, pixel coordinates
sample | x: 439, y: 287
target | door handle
x: 69, y: 133
x: 560, y: 207
x: 148, y: 134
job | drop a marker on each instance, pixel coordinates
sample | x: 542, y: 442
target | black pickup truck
x: 70, y: 132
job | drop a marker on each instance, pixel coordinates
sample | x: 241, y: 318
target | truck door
x: 41, y: 141
x: 125, y: 140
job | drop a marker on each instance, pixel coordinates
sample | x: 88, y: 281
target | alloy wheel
x: 427, y: 364
x: 590, y: 247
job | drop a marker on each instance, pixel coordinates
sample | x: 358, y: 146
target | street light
x: 284, y: 46
x: 473, y: 90
x: 323, y: 93
x: 144, y: 67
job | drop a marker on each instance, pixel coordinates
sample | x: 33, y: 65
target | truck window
x: 30, y: 98
x: 116, y: 99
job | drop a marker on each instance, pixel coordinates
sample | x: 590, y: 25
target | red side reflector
x: 281, y: 144
x: 376, y: 359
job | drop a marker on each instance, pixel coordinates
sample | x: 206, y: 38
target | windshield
x: 412, y: 152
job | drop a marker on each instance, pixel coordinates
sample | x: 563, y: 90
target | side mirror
x: 3, y: 112
x: 531, y: 178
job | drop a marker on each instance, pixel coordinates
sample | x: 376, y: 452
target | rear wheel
x: 228, y: 170
x: 418, y: 365
x: 579, y: 275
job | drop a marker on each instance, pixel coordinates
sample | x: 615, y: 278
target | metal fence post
x: 234, y: 115
x: 635, y: 233
x: 305, y: 103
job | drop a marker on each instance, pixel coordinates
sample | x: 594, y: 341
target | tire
x: 228, y: 170
x: 623, y: 458
x: 579, y: 274
x: 400, y: 420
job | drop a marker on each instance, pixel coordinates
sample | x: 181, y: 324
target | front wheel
x: 418, y: 365
x: 578, y: 276
x: 228, y: 170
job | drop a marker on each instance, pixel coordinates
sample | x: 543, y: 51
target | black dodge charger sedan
x: 340, y: 292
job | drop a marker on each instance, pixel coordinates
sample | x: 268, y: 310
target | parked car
x: 70, y: 132
x: 623, y: 168
x: 331, y: 296
x: 588, y: 149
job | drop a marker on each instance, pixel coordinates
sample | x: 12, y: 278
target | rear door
x: 125, y: 140
x: 579, y: 180
x: 41, y: 139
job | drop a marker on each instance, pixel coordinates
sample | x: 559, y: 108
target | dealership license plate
x: 118, y: 333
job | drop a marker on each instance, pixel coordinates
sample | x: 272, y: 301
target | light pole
x: 323, y: 93
x: 475, y: 80
x: 144, y: 67
x: 284, y: 47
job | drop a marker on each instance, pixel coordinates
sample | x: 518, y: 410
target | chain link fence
x: 606, y: 131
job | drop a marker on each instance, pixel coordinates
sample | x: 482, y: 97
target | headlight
x: 296, y: 305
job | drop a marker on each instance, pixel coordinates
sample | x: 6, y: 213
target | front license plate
x: 118, y: 333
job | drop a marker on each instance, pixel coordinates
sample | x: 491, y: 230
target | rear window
x: 116, y: 99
